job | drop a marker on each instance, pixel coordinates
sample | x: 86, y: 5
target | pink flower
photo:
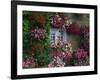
x: 29, y: 62
x: 57, y: 62
x: 68, y: 56
x: 50, y: 65
x: 38, y: 33
x: 80, y: 54
x: 57, y: 21
x: 25, y: 65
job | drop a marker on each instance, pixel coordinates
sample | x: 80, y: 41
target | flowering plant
x: 29, y: 62
x: 38, y: 33
x: 57, y: 62
x: 84, y: 29
x: 57, y: 21
x: 58, y: 53
x: 61, y: 21
x: 80, y: 54
x: 67, y: 21
x: 67, y: 47
x: 67, y: 56
x: 74, y: 29
x: 60, y: 59
x: 63, y: 53
x: 85, y: 38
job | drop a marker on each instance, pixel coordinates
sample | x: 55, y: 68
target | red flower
x: 74, y: 28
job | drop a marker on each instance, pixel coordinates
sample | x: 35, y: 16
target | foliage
x: 84, y: 41
x: 36, y: 30
x: 26, y: 34
x: 43, y: 58
x: 37, y: 49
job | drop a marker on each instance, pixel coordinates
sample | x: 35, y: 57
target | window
x: 61, y: 35
x: 52, y: 37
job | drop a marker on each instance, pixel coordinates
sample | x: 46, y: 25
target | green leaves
x: 39, y: 47
x: 43, y: 58
x: 26, y: 34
